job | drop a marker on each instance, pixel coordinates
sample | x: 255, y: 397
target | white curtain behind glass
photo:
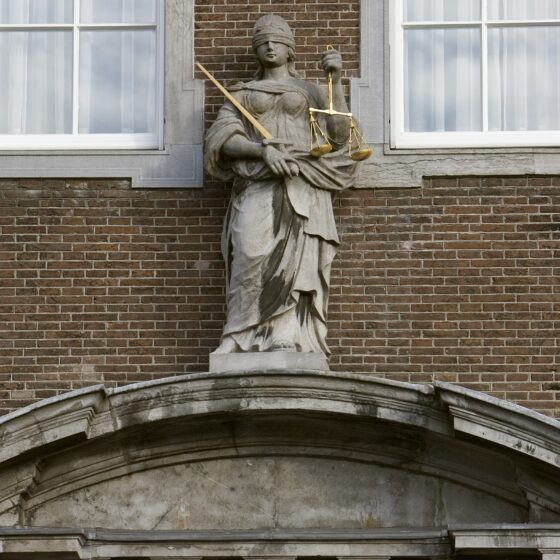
x: 442, y: 10
x: 523, y: 9
x: 118, y: 11
x: 117, y: 81
x: 35, y: 11
x: 524, y: 78
x: 118, y: 69
x: 36, y: 93
x: 442, y: 88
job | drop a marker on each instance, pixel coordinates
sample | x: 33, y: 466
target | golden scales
x: 358, y: 150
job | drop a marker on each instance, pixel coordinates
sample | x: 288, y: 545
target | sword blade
x: 258, y: 126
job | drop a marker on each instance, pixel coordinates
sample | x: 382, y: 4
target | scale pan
x: 320, y: 150
x: 361, y: 154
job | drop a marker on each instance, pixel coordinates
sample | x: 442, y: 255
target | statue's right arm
x: 279, y: 162
x: 240, y: 147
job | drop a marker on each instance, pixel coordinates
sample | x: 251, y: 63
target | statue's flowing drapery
x: 280, y: 236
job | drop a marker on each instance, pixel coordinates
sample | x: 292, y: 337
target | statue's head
x: 272, y: 28
x: 275, y: 28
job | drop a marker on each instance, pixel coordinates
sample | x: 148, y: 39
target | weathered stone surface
x: 257, y: 362
x: 402, y: 169
x: 49, y: 421
x: 314, y: 448
x: 9, y: 518
x: 103, y: 544
x: 508, y: 539
x: 277, y: 452
x: 262, y: 492
x: 530, y: 541
x: 502, y: 422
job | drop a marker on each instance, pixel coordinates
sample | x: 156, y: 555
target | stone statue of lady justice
x: 279, y: 238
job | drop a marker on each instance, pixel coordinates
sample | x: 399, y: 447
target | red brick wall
x: 457, y: 281
x: 103, y: 284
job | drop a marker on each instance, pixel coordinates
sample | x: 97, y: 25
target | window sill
x: 68, y: 142
x: 399, y: 168
x: 476, y: 140
x: 388, y: 150
x: 87, y: 152
x: 176, y: 166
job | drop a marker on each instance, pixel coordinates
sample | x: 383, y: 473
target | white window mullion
x: 397, y: 75
x: 127, y: 73
x: 126, y: 100
x: 438, y: 81
x: 484, y: 64
x: 59, y: 97
x: 76, y: 70
x: 46, y: 142
x: 25, y: 90
x: 521, y: 23
x: 160, y: 61
x: 35, y: 26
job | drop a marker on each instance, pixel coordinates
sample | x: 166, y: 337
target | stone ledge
x: 504, y: 423
x: 250, y: 535
x: 72, y: 543
x: 100, y: 544
x: 95, y: 412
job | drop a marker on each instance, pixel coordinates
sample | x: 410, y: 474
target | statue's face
x: 272, y: 54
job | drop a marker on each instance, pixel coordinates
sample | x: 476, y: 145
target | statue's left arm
x: 338, y: 126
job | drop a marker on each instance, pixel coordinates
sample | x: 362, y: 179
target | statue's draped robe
x: 279, y: 237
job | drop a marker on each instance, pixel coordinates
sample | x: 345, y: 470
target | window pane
x: 524, y: 78
x: 36, y: 92
x: 523, y: 9
x: 117, y: 81
x: 35, y: 11
x: 442, y: 87
x: 441, y: 10
x: 118, y: 11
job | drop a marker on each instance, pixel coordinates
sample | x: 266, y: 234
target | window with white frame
x: 475, y: 73
x: 81, y: 74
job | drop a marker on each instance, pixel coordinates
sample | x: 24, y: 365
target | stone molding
x: 56, y: 449
x: 531, y: 537
x: 442, y: 408
x: 98, y: 544
x: 502, y: 422
x: 373, y: 544
x: 308, y: 405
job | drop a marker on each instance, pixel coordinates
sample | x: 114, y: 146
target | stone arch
x: 288, y: 455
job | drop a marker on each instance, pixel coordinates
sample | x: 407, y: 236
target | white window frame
x: 400, y: 139
x: 75, y: 140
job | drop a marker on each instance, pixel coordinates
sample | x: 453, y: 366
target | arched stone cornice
x: 444, y: 438
x: 444, y: 408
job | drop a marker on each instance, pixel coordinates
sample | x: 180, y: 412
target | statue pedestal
x: 251, y: 362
